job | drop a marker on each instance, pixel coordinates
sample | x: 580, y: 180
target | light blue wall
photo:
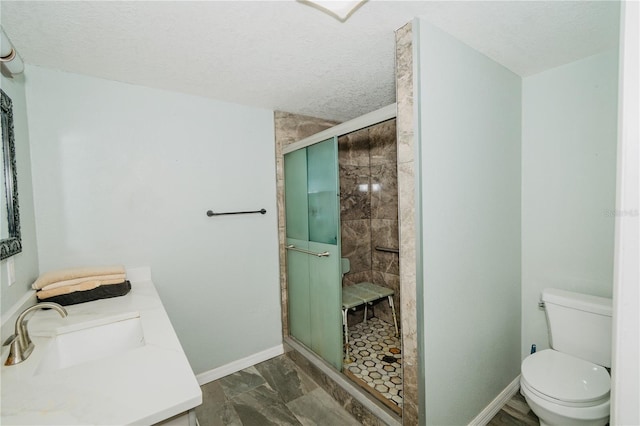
x: 569, y: 132
x: 469, y: 119
x: 124, y: 174
x: 26, y: 262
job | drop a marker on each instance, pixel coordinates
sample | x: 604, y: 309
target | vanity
x: 114, y: 361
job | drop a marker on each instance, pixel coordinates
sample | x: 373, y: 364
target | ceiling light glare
x: 339, y: 9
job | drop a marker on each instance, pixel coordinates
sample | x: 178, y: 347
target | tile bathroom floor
x: 376, y: 360
x: 277, y: 392
x: 274, y: 392
x: 516, y: 412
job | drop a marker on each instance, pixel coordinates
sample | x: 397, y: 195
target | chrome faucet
x: 20, y: 344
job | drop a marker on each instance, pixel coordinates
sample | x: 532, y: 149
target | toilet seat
x: 528, y: 390
x: 565, y: 380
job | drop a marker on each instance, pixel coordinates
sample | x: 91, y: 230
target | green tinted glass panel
x: 322, y: 188
x: 314, y: 290
x: 296, y: 205
x: 298, y: 292
x: 325, y: 294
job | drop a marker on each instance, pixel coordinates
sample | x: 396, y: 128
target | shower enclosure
x: 341, y: 202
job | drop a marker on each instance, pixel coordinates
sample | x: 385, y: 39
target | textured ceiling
x: 285, y: 55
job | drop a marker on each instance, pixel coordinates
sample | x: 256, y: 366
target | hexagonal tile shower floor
x: 376, y: 361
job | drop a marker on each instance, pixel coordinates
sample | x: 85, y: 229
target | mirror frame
x: 13, y: 244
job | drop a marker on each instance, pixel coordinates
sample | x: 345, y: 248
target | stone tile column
x: 407, y: 222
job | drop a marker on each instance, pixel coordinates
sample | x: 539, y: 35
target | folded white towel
x: 69, y: 274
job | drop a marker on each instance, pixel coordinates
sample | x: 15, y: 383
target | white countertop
x: 140, y: 386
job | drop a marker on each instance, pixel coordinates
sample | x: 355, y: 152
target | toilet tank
x: 579, y: 324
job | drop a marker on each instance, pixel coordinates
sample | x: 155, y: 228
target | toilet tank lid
x: 583, y: 302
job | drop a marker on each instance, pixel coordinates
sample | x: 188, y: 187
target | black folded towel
x: 102, y: 292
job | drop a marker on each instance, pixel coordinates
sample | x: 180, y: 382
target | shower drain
x: 389, y: 359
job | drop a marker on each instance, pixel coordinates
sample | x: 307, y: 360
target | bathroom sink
x: 92, y: 341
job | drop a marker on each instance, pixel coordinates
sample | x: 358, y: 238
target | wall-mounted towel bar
x: 294, y: 248
x: 211, y: 213
x: 387, y: 249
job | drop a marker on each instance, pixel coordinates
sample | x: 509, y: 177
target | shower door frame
x: 374, y: 117
x: 367, y: 120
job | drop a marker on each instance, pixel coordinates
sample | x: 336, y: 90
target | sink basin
x: 91, y: 341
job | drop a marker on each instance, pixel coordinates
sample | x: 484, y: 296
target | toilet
x: 568, y: 384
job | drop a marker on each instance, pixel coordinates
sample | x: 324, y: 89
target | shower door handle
x: 312, y: 253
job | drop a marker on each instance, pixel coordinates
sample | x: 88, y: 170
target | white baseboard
x: 496, y: 405
x: 241, y: 364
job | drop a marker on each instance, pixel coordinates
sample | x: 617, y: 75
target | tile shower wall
x: 369, y: 210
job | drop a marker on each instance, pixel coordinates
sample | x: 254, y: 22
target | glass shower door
x: 313, y: 253
x: 297, y: 208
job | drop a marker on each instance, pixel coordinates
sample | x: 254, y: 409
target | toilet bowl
x: 565, y: 390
